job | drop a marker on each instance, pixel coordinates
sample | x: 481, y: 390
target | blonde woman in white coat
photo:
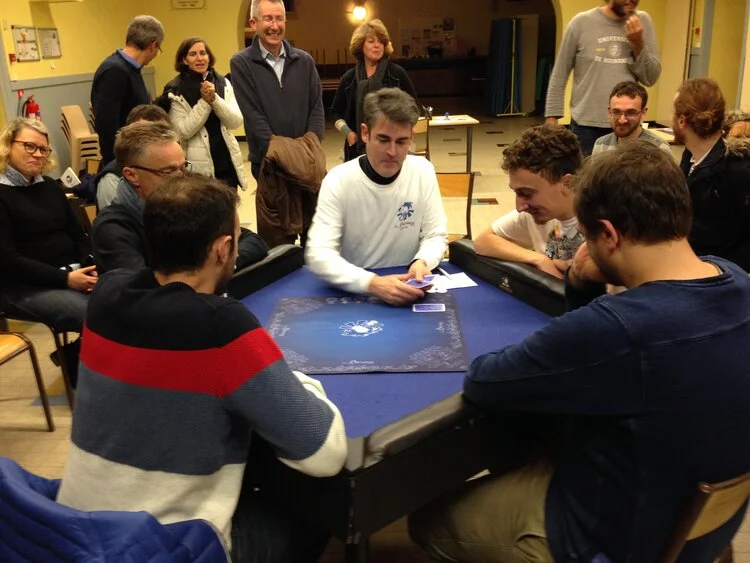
x: 203, y: 110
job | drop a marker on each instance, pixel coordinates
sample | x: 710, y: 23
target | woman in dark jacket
x: 371, y: 46
x: 45, y: 274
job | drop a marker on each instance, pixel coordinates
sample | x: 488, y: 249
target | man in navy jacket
x: 118, y: 85
x: 653, y: 383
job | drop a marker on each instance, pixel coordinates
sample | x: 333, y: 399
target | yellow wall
x: 745, y: 93
x: 222, y: 33
x: 726, y: 37
x: 89, y: 31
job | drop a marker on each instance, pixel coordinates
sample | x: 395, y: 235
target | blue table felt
x: 490, y: 319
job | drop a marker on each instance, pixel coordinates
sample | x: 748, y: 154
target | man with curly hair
x: 543, y: 230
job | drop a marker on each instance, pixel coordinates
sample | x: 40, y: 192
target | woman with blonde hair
x: 371, y: 47
x: 45, y: 274
x: 202, y: 109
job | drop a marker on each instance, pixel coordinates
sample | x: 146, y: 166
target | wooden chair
x: 459, y: 185
x: 711, y: 507
x: 61, y: 338
x: 422, y: 138
x: 13, y: 344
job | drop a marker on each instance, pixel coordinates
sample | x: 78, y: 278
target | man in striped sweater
x: 173, y: 380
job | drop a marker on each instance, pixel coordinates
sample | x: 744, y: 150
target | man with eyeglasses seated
x: 148, y: 153
x: 627, y: 110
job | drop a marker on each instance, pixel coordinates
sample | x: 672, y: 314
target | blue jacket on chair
x: 33, y: 527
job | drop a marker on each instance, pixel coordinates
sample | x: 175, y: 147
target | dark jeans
x: 61, y: 309
x: 264, y: 532
x: 587, y: 135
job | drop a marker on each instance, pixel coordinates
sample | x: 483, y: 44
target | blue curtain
x: 499, y: 68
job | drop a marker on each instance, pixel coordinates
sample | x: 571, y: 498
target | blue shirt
x: 655, y: 381
x: 276, y: 63
x: 130, y: 59
x: 13, y: 177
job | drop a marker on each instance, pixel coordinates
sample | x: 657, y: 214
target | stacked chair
x: 84, y: 144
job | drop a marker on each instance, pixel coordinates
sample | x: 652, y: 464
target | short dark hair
x: 701, y: 103
x: 147, y: 112
x: 395, y: 104
x: 552, y: 151
x: 631, y: 89
x: 639, y: 189
x: 184, y: 49
x: 184, y: 217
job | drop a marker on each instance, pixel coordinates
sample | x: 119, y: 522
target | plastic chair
x: 12, y: 344
x: 712, y: 506
x: 84, y: 143
x: 458, y: 185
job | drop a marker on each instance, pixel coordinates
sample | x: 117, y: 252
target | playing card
x: 427, y: 280
x: 428, y: 308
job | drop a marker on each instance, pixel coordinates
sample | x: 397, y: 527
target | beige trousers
x: 492, y: 519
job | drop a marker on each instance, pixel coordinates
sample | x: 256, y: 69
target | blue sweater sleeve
x: 581, y: 363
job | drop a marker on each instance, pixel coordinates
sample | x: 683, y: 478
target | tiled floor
x: 23, y: 435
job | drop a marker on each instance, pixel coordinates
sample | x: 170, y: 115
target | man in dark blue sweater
x: 653, y: 383
x: 118, y: 85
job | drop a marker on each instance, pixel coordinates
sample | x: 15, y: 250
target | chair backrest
x: 457, y: 190
x: 422, y: 138
x: 712, y: 506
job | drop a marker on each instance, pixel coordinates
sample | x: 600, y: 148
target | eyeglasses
x: 187, y: 167
x: 271, y: 19
x: 31, y: 148
x: 630, y: 114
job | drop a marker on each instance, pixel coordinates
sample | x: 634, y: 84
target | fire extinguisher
x: 31, y: 109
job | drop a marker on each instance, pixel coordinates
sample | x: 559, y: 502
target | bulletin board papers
x: 49, y: 38
x: 25, y: 43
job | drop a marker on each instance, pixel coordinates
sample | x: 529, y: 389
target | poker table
x: 411, y: 436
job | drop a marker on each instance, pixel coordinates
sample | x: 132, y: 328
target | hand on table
x: 418, y: 270
x: 548, y: 266
x: 584, y: 270
x: 393, y: 290
x: 83, y: 279
x: 208, y: 91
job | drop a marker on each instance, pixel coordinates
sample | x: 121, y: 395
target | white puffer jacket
x: 189, y: 122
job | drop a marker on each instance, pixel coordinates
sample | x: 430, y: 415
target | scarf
x: 365, y: 86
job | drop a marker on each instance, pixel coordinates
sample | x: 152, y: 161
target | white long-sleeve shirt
x: 360, y: 224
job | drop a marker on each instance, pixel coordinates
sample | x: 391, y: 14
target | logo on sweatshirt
x: 405, y: 211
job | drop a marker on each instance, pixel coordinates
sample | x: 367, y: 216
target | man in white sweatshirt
x: 380, y: 210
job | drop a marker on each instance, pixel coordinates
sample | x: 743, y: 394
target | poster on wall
x: 24, y: 40
x: 49, y: 39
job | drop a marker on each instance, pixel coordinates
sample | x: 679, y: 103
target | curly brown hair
x: 701, y: 103
x: 552, y: 151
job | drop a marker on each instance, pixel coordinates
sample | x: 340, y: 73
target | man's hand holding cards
x: 426, y: 281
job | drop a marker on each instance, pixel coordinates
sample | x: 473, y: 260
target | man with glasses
x: 148, y: 153
x: 278, y: 90
x: 118, y: 85
x: 627, y: 110
x: 601, y: 46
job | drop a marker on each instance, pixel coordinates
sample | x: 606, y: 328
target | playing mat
x: 325, y: 335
